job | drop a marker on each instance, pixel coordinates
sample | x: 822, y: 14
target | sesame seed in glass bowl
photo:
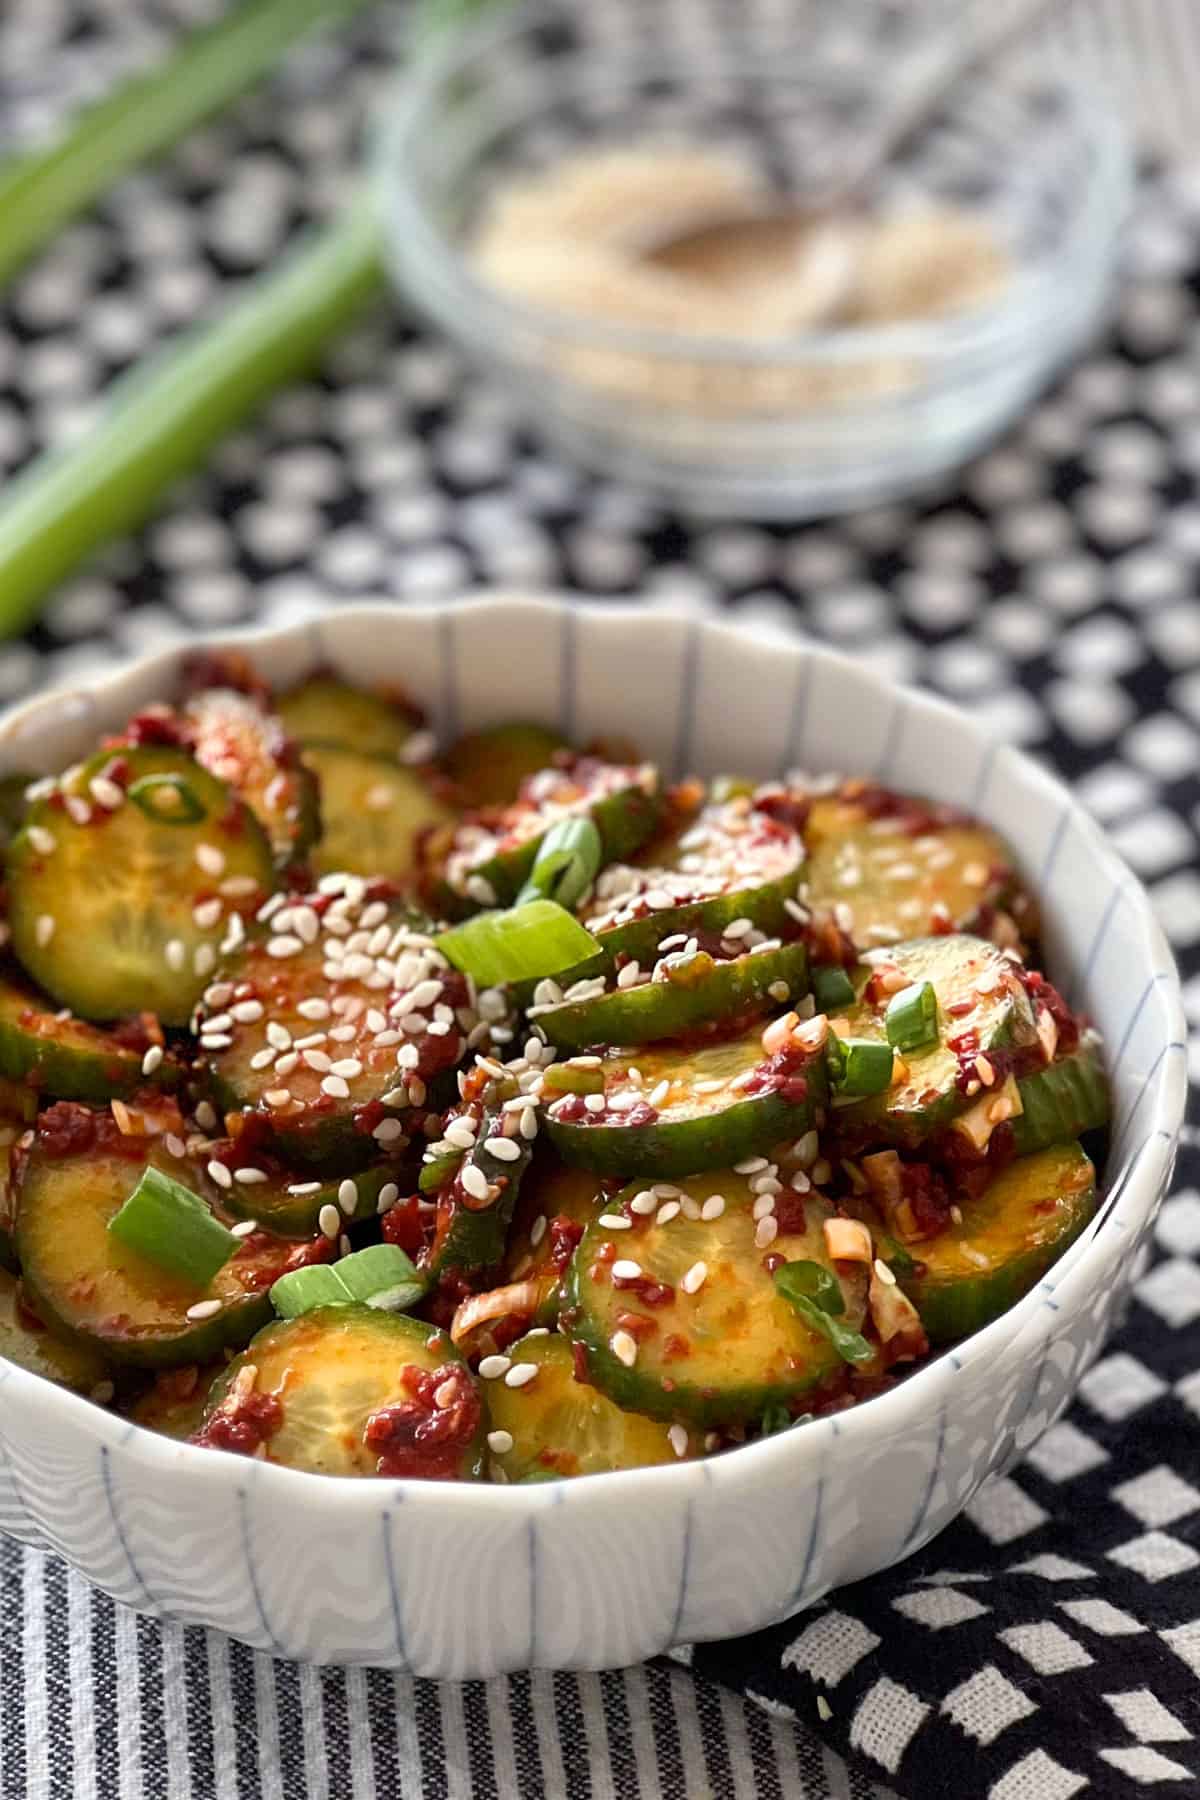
x: 530, y: 171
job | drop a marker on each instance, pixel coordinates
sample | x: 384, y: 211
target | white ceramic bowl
x: 458, y: 1581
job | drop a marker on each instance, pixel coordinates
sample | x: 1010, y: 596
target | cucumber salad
x: 499, y: 1110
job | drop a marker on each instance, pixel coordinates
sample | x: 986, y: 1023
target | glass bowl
x: 782, y: 427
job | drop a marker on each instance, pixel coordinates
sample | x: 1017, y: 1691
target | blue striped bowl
x: 468, y: 1581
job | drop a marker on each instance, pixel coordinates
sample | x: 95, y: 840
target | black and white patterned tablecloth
x: 1049, y: 1643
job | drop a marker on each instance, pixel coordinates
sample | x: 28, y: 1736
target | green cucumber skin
x: 476, y: 1241
x: 297, y: 1215
x: 951, y: 1311
x: 231, y: 1329
x: 689, y: 1146
x: 665, y: 1009
x: 325, y: 1145
x: 1062, y: 1101
x: 624, y: 821
x: 640, y: 938
x: 60, y: 1072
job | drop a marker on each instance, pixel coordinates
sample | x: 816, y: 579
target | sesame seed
x: 694, y: 1280
x: 348, y: 1197
x: 779, y: 990
x: 528, y: 1126
x: 658, y: 1095
x: 329, y: 1220
x: 43, y: 841
x: 506, y: 1149
x: 210, y: 859
x: 305, y: 1187
x: 106, y: 792
x: 520, y: 1375
x: 278, y: 1097
x: 475, y: 1182
x: 247, y: 1012
x: 205, y: 959
x: 389, y: 1193
x: 479, y: 888
x: 43, y: 931
x: 762, y: 1206
x: 204, y: 1309
x: 388, y: 1131
x: 624, y: 1347
x: 500, y: 1441
x: 206, y: 1117
x: 152, y: 1059
x: 262, y: 1059
x: 712, y: 1208
x: 342, y: 1034
x: 766, y: 1231
x: 884, y: 1273
x: 314, y: 1009
x: 537, y: 1230
x: 207, y: 914
x: 643, y: 1203
x: 416, y: 1091
x: 677, y: 1437
x: 594, y: 1103
x: 666, y: 1213
x: 492, y: 1367
x: 220, y: 1174
x: 175, y: 1146
x: 624, y: 1270
x: 613, y: 1222
x: 750, y: 1165
x: 284, y: 945
x: 629, y: 976
x: 249, y: 1177
x: 238, y: 887
x: 244, y: 1228
x: 78, y: 809
x: 334, y: 1086
x: 348, y: 1068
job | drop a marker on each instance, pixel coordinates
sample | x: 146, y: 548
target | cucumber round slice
x: 887, y: 868
x: 82, y: 1279
x: 327, y: 711
x: 724, y: 1099
x: 721, y: 1353
x: 31, y: 1346
x: 174, y: 1404
x: 334, y: 1369
x: 551, y: 1190
x: 240, y: 743
x: 488, y: 767
x: 66, y: 1058
x: 126, y: 912
x: 694, y: 991
x: 485, y: 860
x: 332, y: 1028
x: 719, y: 865
x: 374, y: 814
x: 1063, y: 1100
x: 1009, y: 1236
x: 475, y: 1205
x: 559, y: 1426
x: 289, y: 1202
x: 982, y: 1006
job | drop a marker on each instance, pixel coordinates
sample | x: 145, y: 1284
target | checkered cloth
x: 1048, y: 1644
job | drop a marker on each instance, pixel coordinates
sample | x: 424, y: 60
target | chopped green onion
x: 568, y: 861
x: 912, y: 1017
x: 40, y: 191
x: 860, y: 1066
x: 561, y: 1078
x: 170, y: 1225
x: 812, y: 1300
x: 381, y: 1276
x: 832, y: 988
x: 167, y: 799
x: 523, y: 944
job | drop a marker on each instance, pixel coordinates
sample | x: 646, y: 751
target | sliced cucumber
x: 1009, y: 1236
x: 981, y: 1004
x: 174, y: 1404
x: 374, y: 814
x: 333, y: 1370
x: 726, y: 1099
x: 719, y: 864
x: 488, y: 767
x: 65, y: 1057
x: 484, y: 861
x: 722, y: 1353
x: 112, y: 916
x: 241, y: 743
x: 327, y: 711
x: 290, y: 1202
x: 31, y: 1346
x: 79, y: 1276
x: 1063, y: 1100
x: 561, y: 1426
x: 362, y: 1059
x: 888, y: 868
x: 14, y: 804
x: 693, y: 991
x: 550, y: 1190
x: 471, y: 1228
